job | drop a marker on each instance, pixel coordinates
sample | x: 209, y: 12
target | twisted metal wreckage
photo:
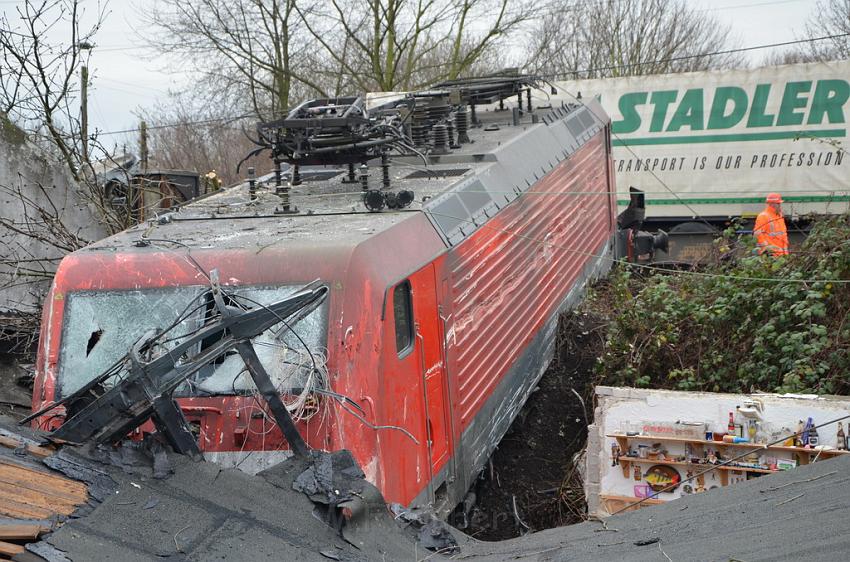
x: 141, y: 387
x: 146, y: 391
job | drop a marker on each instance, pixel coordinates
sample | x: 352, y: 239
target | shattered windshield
x: 101, y: 326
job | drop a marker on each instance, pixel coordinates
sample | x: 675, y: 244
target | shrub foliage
x: 748, y: 323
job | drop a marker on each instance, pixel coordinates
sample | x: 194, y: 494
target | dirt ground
x: 533, y: 468
x: 15, y: 387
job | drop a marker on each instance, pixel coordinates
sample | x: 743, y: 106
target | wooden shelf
x: 614, y: 503
x: 753, y: 446
x: 700, y: 465
x: 801, y: 454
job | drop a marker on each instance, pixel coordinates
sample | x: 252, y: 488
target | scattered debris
x: 645, y: 542
x: 176, y: 545
x: 332, y: 479
x: 436, y: 537
x: 790, y: 500
x: 146, y: 390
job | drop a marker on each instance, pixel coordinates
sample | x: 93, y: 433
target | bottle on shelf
x: 731, y: 427
x: 814, y: 440
x: 798, y: 439
x: 841, y: 439
x: 791, y: 441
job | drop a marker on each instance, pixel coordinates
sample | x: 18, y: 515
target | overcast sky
x: 124, y: 79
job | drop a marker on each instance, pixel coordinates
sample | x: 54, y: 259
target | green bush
x: 749, y: 323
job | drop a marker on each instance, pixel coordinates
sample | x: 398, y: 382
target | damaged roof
x: 204, y: 512
x: 800, y: 514
x: 124, y: 503
x: 131, y: 504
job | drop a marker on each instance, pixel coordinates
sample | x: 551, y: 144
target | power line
x: 755, y: 5
x: 210, y: 121
x: 554, y: 75
x: 697, y: 56
x: 614, y: 260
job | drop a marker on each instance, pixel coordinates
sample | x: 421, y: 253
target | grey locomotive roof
x: 458, y: 191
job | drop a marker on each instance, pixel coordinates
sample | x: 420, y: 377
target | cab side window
x: 403, y: 313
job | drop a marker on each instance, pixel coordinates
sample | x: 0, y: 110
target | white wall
x: 618, y: 405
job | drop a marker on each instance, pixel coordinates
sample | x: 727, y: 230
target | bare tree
x: 609, y: 38
x: 51, y: 201
x: 829, y: 18
x: 793, y: 56
x: 186, y: 134
x: 253, y: 53
x: 40, y: 83
x: 385, y: 45
x: 40, y: 78
x: 263, y: 55
x: 43, y: 216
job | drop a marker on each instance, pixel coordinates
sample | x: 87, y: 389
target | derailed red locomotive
x: 445, y: 265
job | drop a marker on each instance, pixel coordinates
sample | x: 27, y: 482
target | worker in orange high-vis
x: 770, y: 231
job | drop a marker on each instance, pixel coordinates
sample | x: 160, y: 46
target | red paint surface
x: 507, y: 279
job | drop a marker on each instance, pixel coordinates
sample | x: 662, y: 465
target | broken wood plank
x: 16, y: 510
x: 37, y: 499
x: 10, y: 549
x: 21, y: 532
x: 39, y: 480
x: 32, y: 449
x: 34, y: 487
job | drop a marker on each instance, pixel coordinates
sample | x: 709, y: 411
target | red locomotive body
x: 440, y: 319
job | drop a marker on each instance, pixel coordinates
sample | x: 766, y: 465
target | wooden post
x: 84, y: 111
x: 143, y: 145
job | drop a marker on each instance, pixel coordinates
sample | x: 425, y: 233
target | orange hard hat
x: 774, y: 198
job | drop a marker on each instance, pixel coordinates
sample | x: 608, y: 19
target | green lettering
x: 791, y: 100
x: 661, y: 101
x: 690, y: 112
x: 829, y: 99
x: 758, y: 117
x: 718, y: 118
x: 631, y: 119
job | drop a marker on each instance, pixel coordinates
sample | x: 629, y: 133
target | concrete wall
x: 24, y: 167
x: 617, y: 408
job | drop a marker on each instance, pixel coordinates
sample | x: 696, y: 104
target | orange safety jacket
x: 771, y: 233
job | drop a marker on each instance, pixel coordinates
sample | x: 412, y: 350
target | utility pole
x: 84, y: 101
x: 84, y: 111
x: 143, y: 145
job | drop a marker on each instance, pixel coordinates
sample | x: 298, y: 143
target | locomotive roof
x: 458, y: 191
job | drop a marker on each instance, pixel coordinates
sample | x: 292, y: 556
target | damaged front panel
x: 145, y: 381
x: 106, y: 323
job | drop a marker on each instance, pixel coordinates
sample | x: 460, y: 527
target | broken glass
x: 100, y: 327
x: 279, y: 349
